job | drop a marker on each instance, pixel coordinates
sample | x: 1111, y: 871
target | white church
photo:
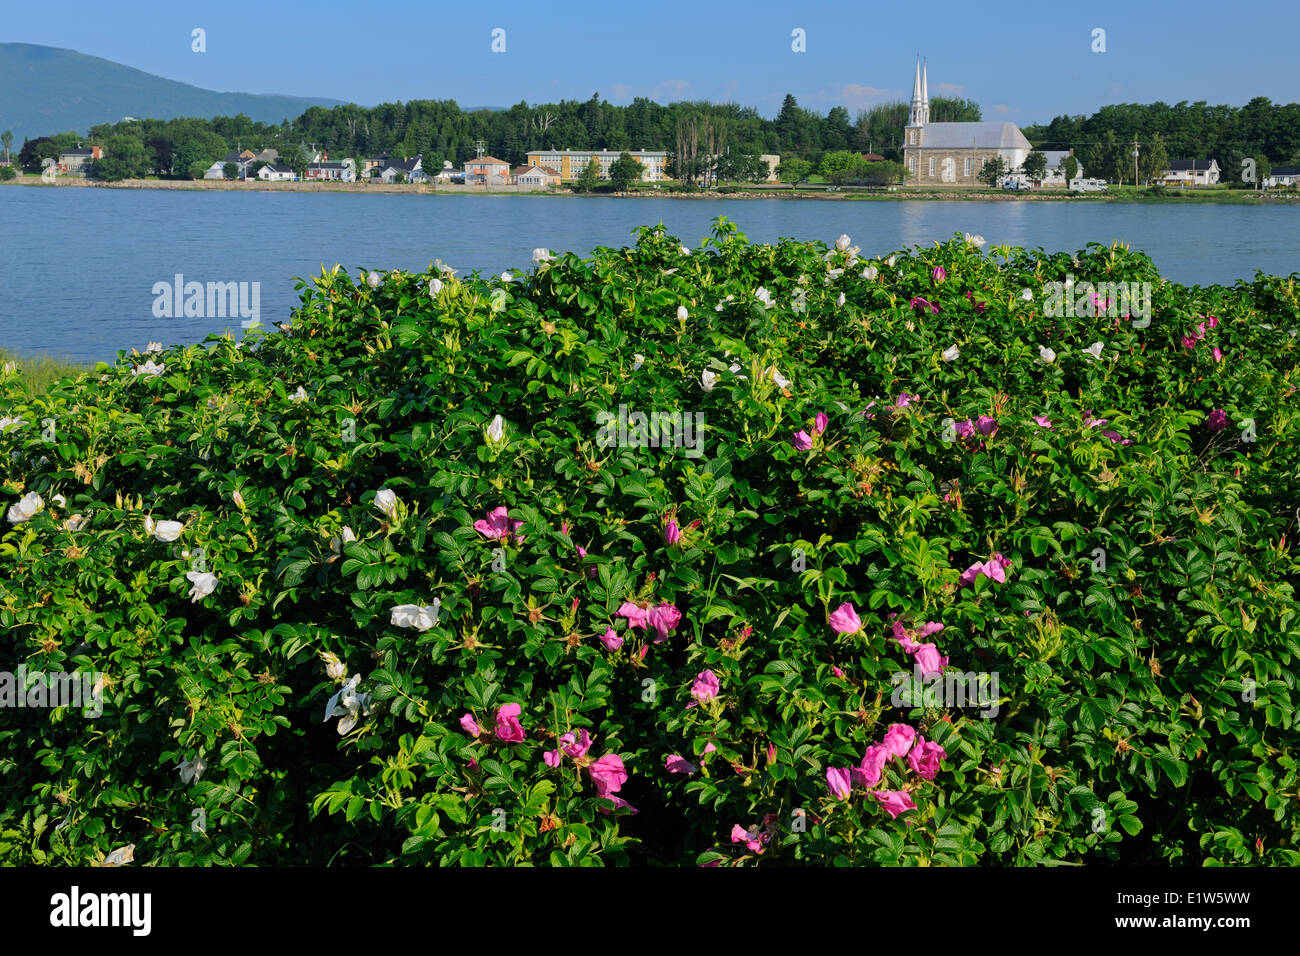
x: 941, y: 154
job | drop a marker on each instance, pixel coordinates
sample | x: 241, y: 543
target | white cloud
x: 950, y: 89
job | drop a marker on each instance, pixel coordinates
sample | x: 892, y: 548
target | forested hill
x: 46, y: 90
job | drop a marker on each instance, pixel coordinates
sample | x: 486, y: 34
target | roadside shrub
x: 379, y: 589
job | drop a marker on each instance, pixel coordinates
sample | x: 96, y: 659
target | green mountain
x: 46, y: 90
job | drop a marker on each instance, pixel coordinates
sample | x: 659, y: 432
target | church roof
x: 979, y: 135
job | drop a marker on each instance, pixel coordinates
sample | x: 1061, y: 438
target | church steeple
x: 925, y: 97
x: 917, y: 110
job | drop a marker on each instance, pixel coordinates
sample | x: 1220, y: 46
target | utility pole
x: 1135, y: 164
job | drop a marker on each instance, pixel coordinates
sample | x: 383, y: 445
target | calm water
x: 80, y: 264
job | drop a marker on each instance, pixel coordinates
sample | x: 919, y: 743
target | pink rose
x: 927, y: 658
x: 469, y: 725
x: 845, y: 620
x: 663, y: 619
x: 898, y: 740
x: 611, y: 640
x: 607, y: 774
x: 499, y: 526
x: 802, y: 440
x: 679, y: 764
x: 821, y: 422
x: 706, y: 686
x: 925, y: 757
x: 509, y: 730
x: 895, y: 802
x: 867, y: 773
x: 837, y: 780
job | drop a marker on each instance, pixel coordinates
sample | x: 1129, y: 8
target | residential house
x: 536, y: 176
x: 244, y: 159
x: 267, y: 156
x: 1055, y: 174
x: 375, y: 162
x: 873, y: 158
x: 571, y: 164
x: 276, y: 173
x: 771, y: 160
x: 488, y: 171
x: 1283, y: 176
x: 74, y: 162
x: 322, y: 169
x: 448, y: 174
x: 1192, y: 172
x: 411, y: 170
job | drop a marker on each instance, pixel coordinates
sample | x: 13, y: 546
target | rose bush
x: 428, y: 617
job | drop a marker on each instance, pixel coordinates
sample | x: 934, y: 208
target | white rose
x: 708, y: 380
x: 843, y: 242
x: 435, y: 286
x: 975, y: 241
x: 496, y: 429
x: 682, y: 314
x: 386, y: 501
x: 163, y: 530
x: 348, y: 535
x: 870, y: 273
x: 840, y: 301
x: 640, y: 360
x: 763, y: 296
x: 950, y: 355
x: 299, y: 396
x: 1046, y: 355
x: 1095, y: 349
x: 542, y: 255
x: 777, y: 377
x: 27, y: 506
x: 415, y: 616
x: 1027, y: 295
x: 204, y: 584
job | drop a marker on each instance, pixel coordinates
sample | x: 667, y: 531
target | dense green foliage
x: 1102, y: 141
x: 1144, y: 630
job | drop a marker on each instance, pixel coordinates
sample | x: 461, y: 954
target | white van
x: 1087, y: 185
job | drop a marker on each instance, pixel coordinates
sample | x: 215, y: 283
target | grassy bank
x: 39, y: 372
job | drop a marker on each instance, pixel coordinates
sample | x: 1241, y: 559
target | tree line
x: 705, y: 141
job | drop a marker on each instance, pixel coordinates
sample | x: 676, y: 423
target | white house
x: 1283, y: 176
x: 275, y: 173
x: 411, y: 170
x: 334, y: 172
x: 449, y: 174
x: 536, y: 176
x: 243, y: 159
x: 1192, y: 172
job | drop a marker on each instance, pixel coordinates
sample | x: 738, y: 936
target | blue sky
x: 1026, y: 64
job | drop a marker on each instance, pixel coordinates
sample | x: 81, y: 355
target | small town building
x: 276, y: 173
x: 487, y: 171
x: 1192, y: 172
x: 952, y: 154
x: 1283, y: 176
x: 76, y: 162
x: 572, y: 163
x: 536, y: 176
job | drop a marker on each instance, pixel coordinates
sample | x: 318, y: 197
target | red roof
x: 487, y: 161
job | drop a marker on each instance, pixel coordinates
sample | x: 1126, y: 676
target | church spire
x: 925, y: 96
x: 916, y: 112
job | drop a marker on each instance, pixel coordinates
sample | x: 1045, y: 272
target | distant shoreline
x: 902, y: 194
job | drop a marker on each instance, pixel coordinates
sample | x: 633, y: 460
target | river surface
x: 81, y: 265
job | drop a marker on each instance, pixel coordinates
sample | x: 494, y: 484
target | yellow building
x: 571, y: 163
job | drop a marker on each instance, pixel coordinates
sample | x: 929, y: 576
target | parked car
x: 1016, y: 184
x: 1087, y: 186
